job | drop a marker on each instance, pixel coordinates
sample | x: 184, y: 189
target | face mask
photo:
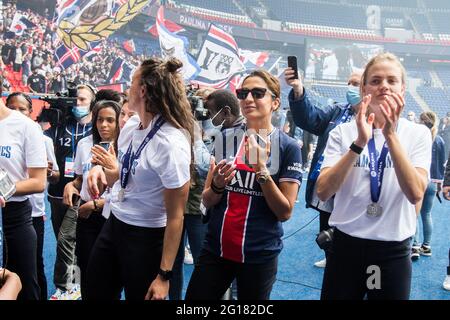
x: 80, y: 111
x: 353, y: 96
x: 210, y: 129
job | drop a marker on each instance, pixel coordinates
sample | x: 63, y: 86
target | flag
x: 129, y: 46
x: 65, y: 56
x: 218, y: 59
x: 170, y: 25
x: 81, y: 22
x: 20, y: 23
x: 121, y: 71
x: 173, y: 45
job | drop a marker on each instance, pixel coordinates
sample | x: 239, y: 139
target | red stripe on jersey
x: 233, y: 227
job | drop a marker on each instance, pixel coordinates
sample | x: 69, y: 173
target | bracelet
x: 356, y: 149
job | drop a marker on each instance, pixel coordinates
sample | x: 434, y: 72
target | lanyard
x: 346, y: 117
x: 376, y: 168
x: 129, y: 157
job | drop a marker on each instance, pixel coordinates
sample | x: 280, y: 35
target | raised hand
x: 106, y: 159
x: 296, y: 84
x: 364, y: 124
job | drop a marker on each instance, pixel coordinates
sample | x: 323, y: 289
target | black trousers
x: 213, y: 275
x: 39, y: 227
x: 19, y: 251
x: 87, y: 233
x: 358, y: 267
x: 124, y: 257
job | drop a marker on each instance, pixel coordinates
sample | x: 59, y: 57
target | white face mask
x: 209, y: 128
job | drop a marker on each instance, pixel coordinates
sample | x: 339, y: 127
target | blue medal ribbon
x: 376, y: 168
x: 346, y: 117
x: 129, y: 157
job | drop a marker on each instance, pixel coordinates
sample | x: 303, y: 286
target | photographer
x: 66, y: 136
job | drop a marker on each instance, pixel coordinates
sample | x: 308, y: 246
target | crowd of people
x: 31, y: 54
x: 131, y: 177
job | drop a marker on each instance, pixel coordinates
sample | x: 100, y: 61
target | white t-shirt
x: 21, y: 147
x: 163, y: 164
x: 83, y: 164
x: 398, y: 221
x: 38, y: 199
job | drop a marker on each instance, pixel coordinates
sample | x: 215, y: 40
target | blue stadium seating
x: 437, y: 99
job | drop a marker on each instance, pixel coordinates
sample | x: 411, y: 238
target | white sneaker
x: 446, y: 283
x: 58, y: 295
x: 321, y: 264
x: 188, y: 256
x: 74, y: 293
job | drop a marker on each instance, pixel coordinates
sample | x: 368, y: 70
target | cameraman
x: 65, y: 137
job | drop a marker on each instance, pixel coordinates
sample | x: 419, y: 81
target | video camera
x: 61, y: 105
x: 197, y: 105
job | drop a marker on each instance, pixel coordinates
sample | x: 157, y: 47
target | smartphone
x: 105, y: 144
x: 75, y: 198
x: 262, y: 143
x: 292, y: 63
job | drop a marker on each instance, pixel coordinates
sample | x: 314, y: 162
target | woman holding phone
x: 105, y: 130
x: 248, y: 198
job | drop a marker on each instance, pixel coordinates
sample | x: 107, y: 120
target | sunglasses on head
x: 257, y: 93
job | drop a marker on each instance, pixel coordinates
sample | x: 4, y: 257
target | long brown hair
x: 166, y: 93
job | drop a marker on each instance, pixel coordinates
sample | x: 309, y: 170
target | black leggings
x: 356, y: 267
x: 124, y: 256
x: 21, y: 244
x: 213, y: 275
x: 87, y: 233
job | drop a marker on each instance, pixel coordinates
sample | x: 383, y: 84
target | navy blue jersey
x: 65, y: 139
x: 242, y: 227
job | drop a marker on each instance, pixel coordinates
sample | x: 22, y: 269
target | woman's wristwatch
x: 262, y: 176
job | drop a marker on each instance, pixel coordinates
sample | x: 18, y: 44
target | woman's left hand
x: 2, y: 202
x: 85, y: 210
x: 391, y: 108
x: 106, y: 159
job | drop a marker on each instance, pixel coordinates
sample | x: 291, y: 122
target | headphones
x: 93, y: 92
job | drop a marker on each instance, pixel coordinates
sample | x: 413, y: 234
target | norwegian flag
x: 170, y: 25
x: 129, y: 46
x: 65, y: 57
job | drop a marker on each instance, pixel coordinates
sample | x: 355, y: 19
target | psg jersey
x: 242, y: 228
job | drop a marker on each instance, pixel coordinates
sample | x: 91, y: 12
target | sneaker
x: 415, y: 253
x: 188, y: 256
x: 321, y: 264
x: 425, y: 250
x: 74, y: 293
x: 446, y: 283
x: 58, y: 295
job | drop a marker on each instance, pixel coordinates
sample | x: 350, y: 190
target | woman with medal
x: 248, y: 199
x: 137, y: 246
x: 105, y: 119
x: 24, y: 160
x: 377, y: 168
